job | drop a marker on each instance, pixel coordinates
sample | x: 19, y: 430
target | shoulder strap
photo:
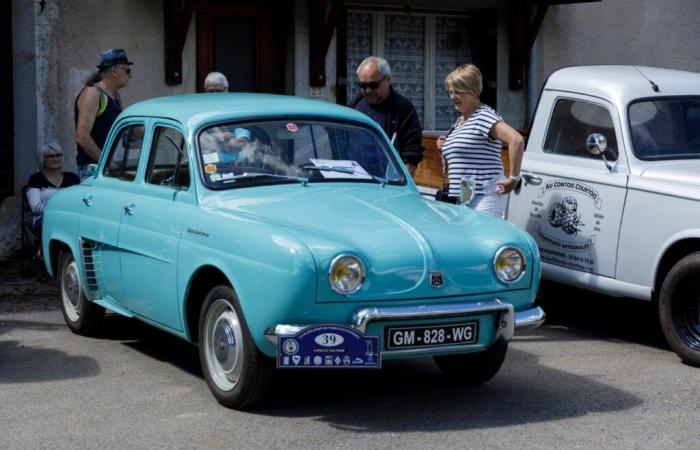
x: 103, y: 102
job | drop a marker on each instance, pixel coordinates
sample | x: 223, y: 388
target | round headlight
x: 509, y: 264
x: 346, y: 274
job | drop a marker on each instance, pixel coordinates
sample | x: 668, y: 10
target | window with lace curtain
x: 421, y: 49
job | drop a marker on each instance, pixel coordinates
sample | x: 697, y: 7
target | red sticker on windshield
x: 292, y: 127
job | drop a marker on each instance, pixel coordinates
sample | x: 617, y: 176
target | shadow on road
x: 152, y: 342
x: 413, y: 396
x: 405, y: 395
x: 597, y: 316
x: 23, y: 364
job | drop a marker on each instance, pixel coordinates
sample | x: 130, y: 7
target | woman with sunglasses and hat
x: 50, y: 177
x: 98, y: 105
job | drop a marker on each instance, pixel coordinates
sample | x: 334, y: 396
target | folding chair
x: 30, y: 247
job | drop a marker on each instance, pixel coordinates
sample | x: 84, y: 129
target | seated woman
x: 43, y: 184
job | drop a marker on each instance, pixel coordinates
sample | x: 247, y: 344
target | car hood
x: 401, y: 237
x: 686, y: 172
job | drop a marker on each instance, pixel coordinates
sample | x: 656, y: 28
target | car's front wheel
x: 81, y: 315
x: 237, y: 373
x: 679, y: 308
x: 474, y: 368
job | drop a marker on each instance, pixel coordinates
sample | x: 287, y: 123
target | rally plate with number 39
x: 432, y: 335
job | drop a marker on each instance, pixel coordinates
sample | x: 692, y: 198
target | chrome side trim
x: 529, y: 319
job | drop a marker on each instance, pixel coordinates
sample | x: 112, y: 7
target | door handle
x: 532, y: 179
x: 87, y: 200
x: 130, y: 209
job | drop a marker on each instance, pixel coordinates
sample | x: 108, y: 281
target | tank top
x: 107, y: 112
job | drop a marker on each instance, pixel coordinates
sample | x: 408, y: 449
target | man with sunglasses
x: 98, y: 105
x: 392, y: 111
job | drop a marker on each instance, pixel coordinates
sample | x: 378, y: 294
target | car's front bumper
x: 506, y: 320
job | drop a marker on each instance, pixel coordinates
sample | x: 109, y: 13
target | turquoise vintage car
x: 280, y: 232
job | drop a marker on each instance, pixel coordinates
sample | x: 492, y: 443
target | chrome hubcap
x: 223, y: 344
x: 70, y: 291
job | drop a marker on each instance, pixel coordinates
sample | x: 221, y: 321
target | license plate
x: 432, y: 335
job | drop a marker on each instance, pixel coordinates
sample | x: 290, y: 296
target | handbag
x: 443, y: 194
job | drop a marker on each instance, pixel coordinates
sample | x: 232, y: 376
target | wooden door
x: 246, y: 41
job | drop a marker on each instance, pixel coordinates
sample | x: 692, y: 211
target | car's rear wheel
x: 679, y: 308
x: 237, y: 373
x: 474, y: 368
x: 81, y: 315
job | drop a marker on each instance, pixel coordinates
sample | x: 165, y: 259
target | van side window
x: 168, y: 164
x: 571, y: 124
x: 123, y: 159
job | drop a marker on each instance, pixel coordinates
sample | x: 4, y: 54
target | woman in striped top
x: 473, y: 145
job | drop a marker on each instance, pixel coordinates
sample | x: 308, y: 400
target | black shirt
x: 100, y: 129
x: 38, y: 180
x: 397, y: 115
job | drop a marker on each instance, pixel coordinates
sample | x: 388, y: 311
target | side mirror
x: 596, y: 144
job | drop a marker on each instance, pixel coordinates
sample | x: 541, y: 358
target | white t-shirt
x: 469, y: 150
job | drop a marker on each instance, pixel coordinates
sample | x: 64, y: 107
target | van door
x: 569, y: 201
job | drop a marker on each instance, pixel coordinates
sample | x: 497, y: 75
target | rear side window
x: 571, y: 124
x: 123, y: 159
x: 169, y: 164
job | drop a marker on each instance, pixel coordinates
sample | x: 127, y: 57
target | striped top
x: 468, y: 150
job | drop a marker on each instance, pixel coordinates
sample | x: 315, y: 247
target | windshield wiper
x: 341, y: 169
x: 250, y: 175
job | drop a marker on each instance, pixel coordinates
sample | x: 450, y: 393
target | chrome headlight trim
x: 340, y: 260
x: 498, y: 255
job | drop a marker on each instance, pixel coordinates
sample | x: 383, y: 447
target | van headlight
x: 346, y: 274
x: 509, y: 264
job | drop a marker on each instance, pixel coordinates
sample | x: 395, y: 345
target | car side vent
x: 92, y: 267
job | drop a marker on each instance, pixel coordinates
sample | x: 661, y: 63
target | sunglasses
x: 125, y: 69
x: 371, y: 85
x: 54, y: 156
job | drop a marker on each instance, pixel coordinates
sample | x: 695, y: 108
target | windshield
x: 289, y: 151
x: 666, y: 128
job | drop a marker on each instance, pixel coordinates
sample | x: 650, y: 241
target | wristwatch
x: 517, y: 178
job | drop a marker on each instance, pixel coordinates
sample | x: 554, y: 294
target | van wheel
x: 237, y: 373
x: 81, y: 315
x: 474, y: 368
x: 679, y: 308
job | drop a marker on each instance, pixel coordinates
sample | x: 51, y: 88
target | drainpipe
x: 532, y: 83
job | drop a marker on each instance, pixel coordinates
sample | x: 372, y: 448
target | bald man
x: 393, y: 112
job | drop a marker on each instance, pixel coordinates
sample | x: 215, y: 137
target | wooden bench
x: 429, y: 173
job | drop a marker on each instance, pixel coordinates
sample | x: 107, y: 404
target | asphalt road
x: 598, y: 375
